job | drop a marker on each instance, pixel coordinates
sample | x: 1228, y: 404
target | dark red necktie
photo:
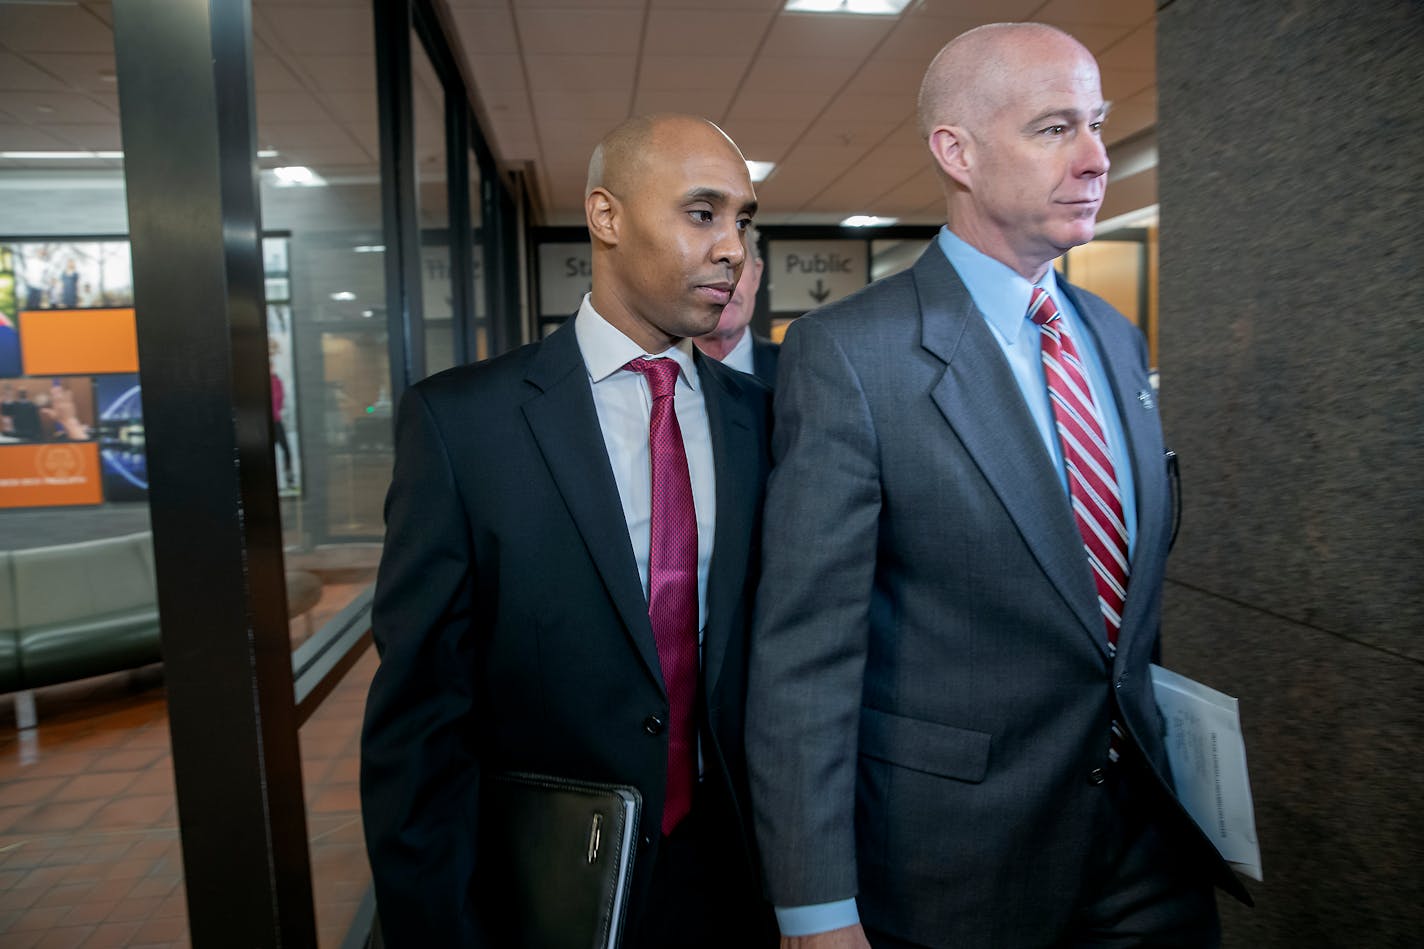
x: 1092, y: 479
x: 672, y: 584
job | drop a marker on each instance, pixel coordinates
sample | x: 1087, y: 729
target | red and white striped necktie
x: 1092, y: 480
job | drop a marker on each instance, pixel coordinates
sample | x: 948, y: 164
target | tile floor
x: 89, y: 848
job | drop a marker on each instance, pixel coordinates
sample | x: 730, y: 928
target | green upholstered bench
x: 77, y: 610
x: 83, y: 609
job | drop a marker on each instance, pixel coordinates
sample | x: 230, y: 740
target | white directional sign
x: 565, y: 275
x: 805, y: 274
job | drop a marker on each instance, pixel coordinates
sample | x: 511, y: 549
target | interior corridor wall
x: 1291, y: 140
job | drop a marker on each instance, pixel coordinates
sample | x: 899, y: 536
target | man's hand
x: 847, y: 937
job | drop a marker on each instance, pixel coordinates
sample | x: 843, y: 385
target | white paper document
x: 1208, y: 759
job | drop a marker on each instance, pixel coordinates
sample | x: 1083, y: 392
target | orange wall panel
x: 78, y: 342
x: 59, y: 473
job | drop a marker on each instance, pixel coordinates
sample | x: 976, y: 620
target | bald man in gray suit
x: 951, y: 732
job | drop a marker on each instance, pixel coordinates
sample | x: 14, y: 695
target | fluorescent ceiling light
x: 89, y: 155
x: 61, y: 156
x: 860, y: 7
x: 868, y: 220
x: 297, y: 176
x: 760, y: 169
x: 343, y: 295
x: 369, y: 249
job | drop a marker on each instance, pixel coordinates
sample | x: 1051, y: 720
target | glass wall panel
x: 433, y: 196
x: 88, y: 829
x: 317, y: 117
x: 480, y: 348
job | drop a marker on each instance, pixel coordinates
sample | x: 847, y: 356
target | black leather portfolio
x: 557, y: 858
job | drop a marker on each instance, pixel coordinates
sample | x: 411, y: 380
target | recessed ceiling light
x: 868, y: 220
x: 760, y: 169
x: 266, y: 153
x: 859, y: 7
x: 297, y: 176
x: 343, y: 296
x: 78, y: 155
x: 369, y: 249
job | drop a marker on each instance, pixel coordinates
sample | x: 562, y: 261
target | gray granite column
x: 1291, y: 138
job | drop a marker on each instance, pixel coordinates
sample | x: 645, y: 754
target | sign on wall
x: 565, y: 275
x: 806, y: 274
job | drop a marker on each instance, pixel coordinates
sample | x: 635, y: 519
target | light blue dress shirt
x: 1002, y: 296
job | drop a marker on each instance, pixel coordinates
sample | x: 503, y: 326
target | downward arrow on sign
x: 820, y: 291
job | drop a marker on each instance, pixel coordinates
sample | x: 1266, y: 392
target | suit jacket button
x: 653, y: 725
x: 1097, y: 776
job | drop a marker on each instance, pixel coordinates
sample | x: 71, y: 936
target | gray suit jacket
x: 930, y: 687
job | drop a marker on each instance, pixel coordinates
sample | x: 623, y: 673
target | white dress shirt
x: 624, y: 404
x: 740, y: 358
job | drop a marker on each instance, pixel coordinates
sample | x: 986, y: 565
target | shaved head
x: 977, y: 72
x: 668, y: 204
x: 622, y: 156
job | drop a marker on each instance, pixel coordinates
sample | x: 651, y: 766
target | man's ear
x: 953, y: 151
x: 604, y: 216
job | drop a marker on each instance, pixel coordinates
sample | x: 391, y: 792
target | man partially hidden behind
x: 571, y: 541
x: 952, y: 736
x: 733, y: 341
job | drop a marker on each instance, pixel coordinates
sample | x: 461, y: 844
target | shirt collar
x: 740, y: 356
x: 1001, y: 294
x: 606, y: 349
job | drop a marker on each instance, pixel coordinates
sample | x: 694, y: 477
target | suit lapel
x: 1143, y: 434
x: 980, y: 400
x: 565, y: 425
x: 734, y: 453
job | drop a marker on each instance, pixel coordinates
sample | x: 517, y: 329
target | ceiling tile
x: 339, y: 73
x: 497, y: 73
x: 580, y: 73
x: 280, y: 107
x: 484, y: 30
x: 1112, y: 12
x: 704, y: 32
x: 604, y: 106
x: 890, y: 77
x: 27, y: 138
x: 344, y: 106
x: 1001, y: 10
x: 1096, y: 37
x: 98, y: 137
x: 667, y: 73
x: 34, y: 28
x: 710, y: 103
x: 918, y: 39
x: 328, y: 30
x: 1120, y: 84
x: 853, y: 107
x: 56, y: 107
x: 17, y: 74
x: 836, y: 37
x: 763, y: 5
x: 270, y: 74
x: 1136, y: 50
x: 865, y: 132
x: 799, y: 74
x: 82, y: 71
x: 285, y: 136
x: 563, y: 31
x: 778, y: 106
x: 764, y: 139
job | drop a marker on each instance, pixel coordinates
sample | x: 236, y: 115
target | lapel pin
x: 1145, y: 398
